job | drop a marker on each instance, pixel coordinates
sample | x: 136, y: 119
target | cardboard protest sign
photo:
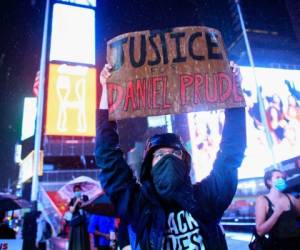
x: 179, y: 70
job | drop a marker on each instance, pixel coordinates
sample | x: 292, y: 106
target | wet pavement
x: 238, y: 241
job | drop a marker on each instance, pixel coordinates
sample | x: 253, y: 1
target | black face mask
x: 172, y: 182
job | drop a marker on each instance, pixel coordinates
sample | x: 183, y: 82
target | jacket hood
x: 160, y: 141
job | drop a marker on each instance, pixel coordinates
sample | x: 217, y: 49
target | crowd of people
x: 86, y: 231
x: 277, y: 215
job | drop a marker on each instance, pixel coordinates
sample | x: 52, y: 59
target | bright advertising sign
x: 91, y: 3
x: 26, y: 167
x: 73, y: 34
x: 11, y: 244
x: 279, y: 88
x: 71, y: 101
x: 29, y: 116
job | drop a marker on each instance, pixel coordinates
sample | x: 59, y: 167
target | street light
x: 40, y: 108
x: 258, y: 86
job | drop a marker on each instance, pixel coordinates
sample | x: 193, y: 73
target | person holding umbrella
x: 9, y: 202
x: 79, y: 237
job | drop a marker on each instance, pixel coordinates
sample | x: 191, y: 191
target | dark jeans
x: 288, y: 244
x: 103, y: 248
x: 42, y: 246
x: 28, y: 244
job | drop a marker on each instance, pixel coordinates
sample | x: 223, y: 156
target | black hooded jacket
x: 138, y: 203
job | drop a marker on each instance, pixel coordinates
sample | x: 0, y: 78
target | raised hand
x: 105, y: 73
x: 104, y: 76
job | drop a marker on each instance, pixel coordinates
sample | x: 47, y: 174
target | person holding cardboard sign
x: 164, y: 208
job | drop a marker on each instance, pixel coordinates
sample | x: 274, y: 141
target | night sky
x: 21, y: 25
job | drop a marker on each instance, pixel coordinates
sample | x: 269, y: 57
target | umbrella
x: 11, y: 202
x: 101, y: 205
x: 89, y: 187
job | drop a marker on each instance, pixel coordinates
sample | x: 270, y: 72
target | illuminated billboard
x: 160, y: 121
x: 283, y: 118
x: 27, y: 166
x: 73, y: 34
x: 71, y: 101
x: 29, y: 116
x: 91, y: 3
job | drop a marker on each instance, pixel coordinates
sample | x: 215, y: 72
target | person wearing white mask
x: 40, y: 241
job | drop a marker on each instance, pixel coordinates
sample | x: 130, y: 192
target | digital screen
x: 71, y: 101
x: 279, y: 89
x: 160, y: 121
x: 73, y: 34
x: 29, y: 117
x: 27, y: 166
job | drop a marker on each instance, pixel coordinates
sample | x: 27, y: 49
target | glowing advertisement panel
x: 159, y: 121
x: 29, y: 116
x: 73, y: 34
x: 280, y: 89
x: 11, y: 244
x: 91, y: 3
x: 26, y: 167
x: 71, y: 101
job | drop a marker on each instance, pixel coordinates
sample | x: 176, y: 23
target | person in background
x: 29, y: 229
x: 5, y: 231
x: 40, y: 241
x: 276, y: 213
x: 79, y: 237
x: 101, y: 227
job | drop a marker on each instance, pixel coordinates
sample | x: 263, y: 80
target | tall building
x: 270, y: 32
x: 293, y: 8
